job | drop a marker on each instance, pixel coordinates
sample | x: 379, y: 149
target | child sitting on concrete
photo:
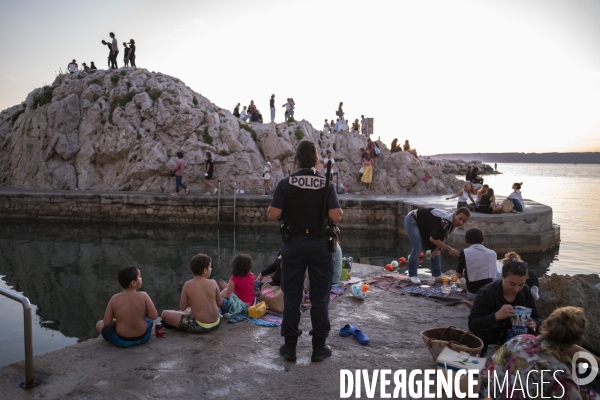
x: 202, y: 295
x: 129, y: 315
x: 241, y: 282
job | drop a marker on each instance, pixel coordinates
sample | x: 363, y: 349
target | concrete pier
x: 526, y: 232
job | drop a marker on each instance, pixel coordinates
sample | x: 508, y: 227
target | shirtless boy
x: 129, y: 315
x: 202, y: 295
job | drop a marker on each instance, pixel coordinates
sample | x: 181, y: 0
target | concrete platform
x: 526, y: 232
x: 241, y: 360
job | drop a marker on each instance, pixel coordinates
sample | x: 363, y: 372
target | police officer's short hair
x: 306, y: 154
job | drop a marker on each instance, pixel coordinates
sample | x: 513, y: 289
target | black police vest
x: 303, y: 210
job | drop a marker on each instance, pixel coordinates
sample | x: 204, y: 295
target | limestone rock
x: 120, y: 130
x: 578, y: 291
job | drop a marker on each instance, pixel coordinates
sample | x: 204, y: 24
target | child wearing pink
x: 242, y: 280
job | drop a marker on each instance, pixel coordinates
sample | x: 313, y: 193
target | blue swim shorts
x: 109, y: 333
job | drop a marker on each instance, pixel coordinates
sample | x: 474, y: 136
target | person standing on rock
x: 114, y: 53
x: 301, y: 202
x: 340, y: 112
x: 125, y: 55
x: 132, y: 53
x: 272, y: 106
x: 267, y: 171
x: 72, y: 67
x: 178, y: 170
x: 208, y: 175
x: 429, y: 229
x: 109, y: 51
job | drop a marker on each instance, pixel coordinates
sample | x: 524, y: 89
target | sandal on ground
x: 347, y: 330
x: 361, y: 337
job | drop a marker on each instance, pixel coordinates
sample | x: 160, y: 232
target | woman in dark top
x: 428, y: 229
x: 274, y: 269
x: 493, y: 306
x: 474, y: 177
x: 132, y: 53
x: 488, y: 205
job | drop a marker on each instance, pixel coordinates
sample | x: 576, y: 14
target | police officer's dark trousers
x: 298, y: 255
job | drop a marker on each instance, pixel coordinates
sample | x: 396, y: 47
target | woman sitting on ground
x: 516, y: 197
x: 488, y: 204
x: 395, y: 148
x: 475, y: 178
x: 480, y: 194
x: 411, y: 151
x: 494, y: 305
x: 463, y: 196
x: 527, y: 356
x: 275, y: 269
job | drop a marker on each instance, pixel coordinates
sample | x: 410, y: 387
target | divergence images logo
x: 589, y: 366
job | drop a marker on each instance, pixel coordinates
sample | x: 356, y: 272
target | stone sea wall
x: 529, y: 231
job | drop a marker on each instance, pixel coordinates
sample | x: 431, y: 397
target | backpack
x: 377, y: 151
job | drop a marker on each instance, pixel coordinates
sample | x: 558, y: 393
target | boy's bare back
x: 130, y: 308
x: 204, y: 297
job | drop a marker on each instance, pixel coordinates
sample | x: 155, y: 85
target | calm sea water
x: 68, y: 271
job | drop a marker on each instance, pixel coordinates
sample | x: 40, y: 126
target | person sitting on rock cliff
x: 92, y: 66
x: 394, y: 147
x: 254, y: 117
x: 476, y: 263
x: 469, y: 176
x: 129, y: 315
x: 475, y: 178
x: 355, y: 127
x: 200, y: 300
x: 463, y: 196
x: 236, y: 110
x: 553, y: 351
x: 251, y: 107
x: 85, y: 67
x: 411, y: 151
x: 490, y: 317
x: 244, y: 115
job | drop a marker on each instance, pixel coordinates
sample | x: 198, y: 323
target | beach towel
x: 435, y: 293
x: 275, y: 319
x: 237, y: 311
x: 392, y: 283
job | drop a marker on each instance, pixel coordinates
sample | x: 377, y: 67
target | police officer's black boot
x: 288, y: 350
x: 320, y: 350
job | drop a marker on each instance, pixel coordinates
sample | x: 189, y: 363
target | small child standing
x: 202, y: 295
x: 129, y: 315
x: 241, y: 282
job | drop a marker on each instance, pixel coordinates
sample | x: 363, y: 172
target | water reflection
x: 69, y: 270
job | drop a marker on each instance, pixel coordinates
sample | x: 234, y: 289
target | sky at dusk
x: 449, y: 75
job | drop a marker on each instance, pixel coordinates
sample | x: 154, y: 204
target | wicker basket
x: 448, y: 336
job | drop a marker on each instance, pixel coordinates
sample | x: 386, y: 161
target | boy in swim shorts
x: 203, y: 297
x: 129, y: 315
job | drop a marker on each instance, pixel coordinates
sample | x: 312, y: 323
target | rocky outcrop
x: 120, y: 130
x: 578, y: 291
x: 459, y: 167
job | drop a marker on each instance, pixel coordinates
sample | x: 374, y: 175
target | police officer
x: 299, y: 201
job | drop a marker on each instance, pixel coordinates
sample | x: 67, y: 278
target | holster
x: 284, y: 230
x: 332, y: 232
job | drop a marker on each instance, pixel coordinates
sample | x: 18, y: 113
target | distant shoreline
x: 529, y: 158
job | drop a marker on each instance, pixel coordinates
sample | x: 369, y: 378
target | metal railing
x: 219, y: 206
x: 27, y: 322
